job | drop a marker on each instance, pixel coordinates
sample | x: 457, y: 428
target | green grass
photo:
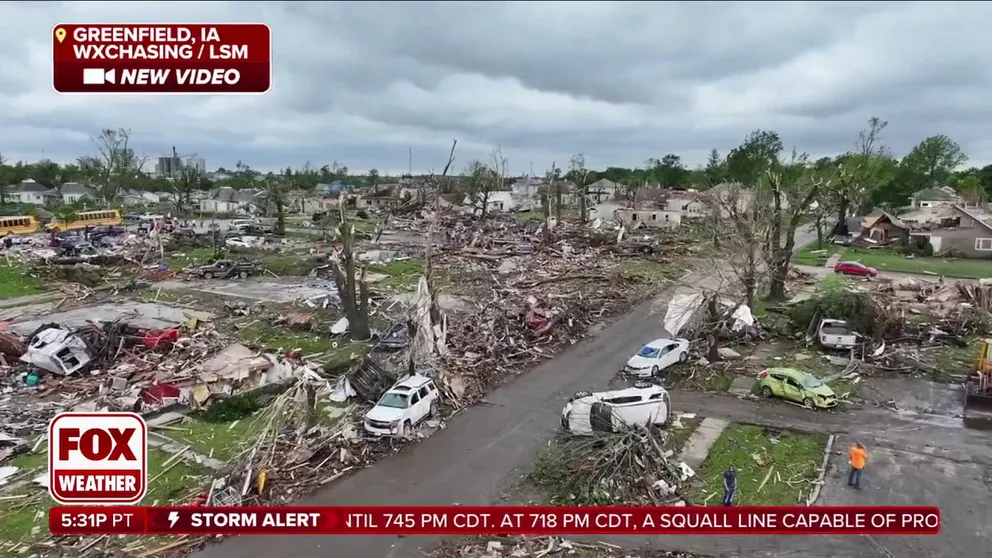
x: 271, y: 338
x: 220, y: 440
x: 284, y: 264
x: 227, y: 439
x: 16, y: 281
x: 647, y: 269
x: 793, y: 458
x: 530, y: 215
x: 705, y: 379
x: 187, y: 258
x: 401, y: 275
x: 677, y: 437
x: 280, y: 263
x: 952, y: 360
x: 811, y: 255
x: 889, y: 260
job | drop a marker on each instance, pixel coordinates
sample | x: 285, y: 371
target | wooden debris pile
x: 298, y: 443
x: 520, y: 318
x: 633, y: 467
x: 539, y: 547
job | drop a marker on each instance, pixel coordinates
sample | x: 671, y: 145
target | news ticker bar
x: 507, y: 520
x: 162, y: 58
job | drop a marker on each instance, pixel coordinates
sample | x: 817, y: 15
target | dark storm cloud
x: 361, y: 83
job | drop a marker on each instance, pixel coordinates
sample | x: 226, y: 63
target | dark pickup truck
x: 225, y: 269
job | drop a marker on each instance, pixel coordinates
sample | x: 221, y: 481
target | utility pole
x: 172, y: 164
x: 410, y: 166
x: 531, y: 170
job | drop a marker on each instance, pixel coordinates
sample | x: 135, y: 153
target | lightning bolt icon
x: 173, y: 519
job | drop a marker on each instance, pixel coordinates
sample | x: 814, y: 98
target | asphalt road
x: 821, y: 271
x: 484, y: 451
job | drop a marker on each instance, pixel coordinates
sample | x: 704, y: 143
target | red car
x: 856, y: 269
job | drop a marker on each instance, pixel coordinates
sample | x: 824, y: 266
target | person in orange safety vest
x: 859, y: 456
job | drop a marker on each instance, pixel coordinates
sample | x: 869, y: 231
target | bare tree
x: 352, y: 286
x: 743, y: 223
x: 275, y: 189
x: 552, y: 177
x: 479, y: 186
x: 115, y: 167
x: 858, y: 172
x: 426, y: 312
x: 580, y: 174
x: 792, y: 187
x: 3, y: 183
x: 497, y: 170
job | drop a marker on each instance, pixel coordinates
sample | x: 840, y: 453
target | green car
x: 796, y: 385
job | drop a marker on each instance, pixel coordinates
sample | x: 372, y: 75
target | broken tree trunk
x: 352, y: 286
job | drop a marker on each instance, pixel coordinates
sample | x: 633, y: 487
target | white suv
x: 406, y: 404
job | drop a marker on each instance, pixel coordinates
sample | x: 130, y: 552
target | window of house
x: 983, y: 244
x: 633, y: 216
x: 666, y: 217
x: 654, y: 216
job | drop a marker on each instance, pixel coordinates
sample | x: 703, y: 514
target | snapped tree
x: 579, y: 174
x: 352, y: 287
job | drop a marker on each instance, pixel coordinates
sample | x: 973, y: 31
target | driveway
x: 483, y: 452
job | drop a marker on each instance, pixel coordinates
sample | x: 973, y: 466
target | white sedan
x: 657, y: 356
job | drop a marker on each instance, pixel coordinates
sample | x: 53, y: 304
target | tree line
x: 869, y: 174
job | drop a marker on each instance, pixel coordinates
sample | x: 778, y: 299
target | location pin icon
x: 60, y: 34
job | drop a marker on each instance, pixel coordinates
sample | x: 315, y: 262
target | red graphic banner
x: 159, y: 58
x: 523, y: 520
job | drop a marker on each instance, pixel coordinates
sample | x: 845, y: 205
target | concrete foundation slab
x: 138, y: 314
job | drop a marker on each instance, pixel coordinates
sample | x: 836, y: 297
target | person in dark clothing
x: 729, y: 486
x: 8, y: 241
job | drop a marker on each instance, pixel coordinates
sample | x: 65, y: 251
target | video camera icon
x: 98, y: 76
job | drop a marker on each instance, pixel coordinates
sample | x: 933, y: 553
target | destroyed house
x: 73, y: 192
x: 882, y: 228
x: 962, y: 231
x: 940, y: 196
x: 382, y: 197
x: 650, y: 218
x: 603, y: 190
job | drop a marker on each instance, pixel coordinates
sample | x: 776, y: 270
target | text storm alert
x: 97, y: 458
x: 151, y: 58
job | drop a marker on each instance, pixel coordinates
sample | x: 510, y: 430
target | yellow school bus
x: 18, y: 224
x: 102, y: 217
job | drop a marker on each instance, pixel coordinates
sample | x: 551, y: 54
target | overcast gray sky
x: 361, y: 83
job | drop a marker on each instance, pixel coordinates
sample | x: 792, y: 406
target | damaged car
x: 836, y: 334
x: 57, y: 350
x: 656, y: 356
x: 611, y: 411
x: 797, y: 386
x: 223, y: 269
x: 405, y: 405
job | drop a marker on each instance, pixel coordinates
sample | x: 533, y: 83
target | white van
x: 610, y: 411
